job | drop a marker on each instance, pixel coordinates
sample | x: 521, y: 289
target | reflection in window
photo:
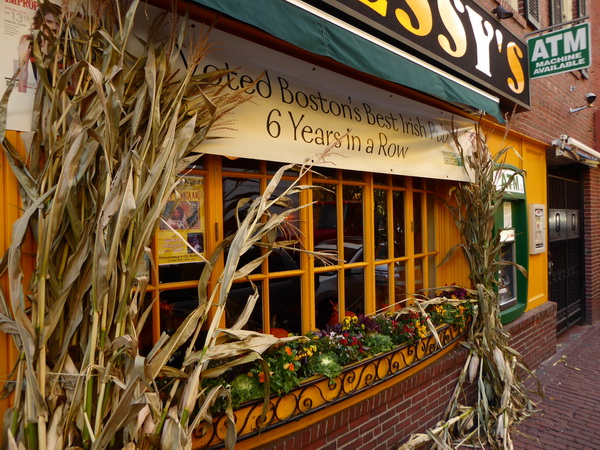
x: 234, y: 190
x: 419, y: 281
x: 285, y: 309
x: 431, y: 235
x: 418, y: 222
x: 327, y: 296
x: 398, y: 221
x: 353, y: 211
x: 381, y: 220
x: 324, y: 213
x: 399, y: 282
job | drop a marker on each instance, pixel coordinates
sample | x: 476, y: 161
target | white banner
x: 298, y: 109
x: 16, y: 26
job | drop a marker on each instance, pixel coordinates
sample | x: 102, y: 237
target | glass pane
x: 235, y: 189
x: 419, y: 282
x: 175, y: 306
x: 145, y: 338
x: 431, y: 234
x: 417, y: 221
x: 353, y: 212
x: 381, y: 179
x: 326, y: 298
x: 400, y: 282
x: 236, y: 301
x: 197, y: 164
x: 381, y: 223
x: 352, y: 175
x: 398, y: 181
x: 354, y: 284
x: 240, y: 165
x: 285, y: 304
x: 324, y: 213
x: 281, y: 260
x: 273, y: 167
x: 431, y: 266
x: 418, y: 183
x: 172, y: 273
x: 289, y: 230
x: 327, y: 295
x: 382, y: 286
x: 325, y: 172
x: 399, y: 222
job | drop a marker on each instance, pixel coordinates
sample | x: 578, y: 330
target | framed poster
x: 180, y: 238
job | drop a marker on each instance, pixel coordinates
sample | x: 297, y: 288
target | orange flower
x: 261, y: 377
x: 289, y: 366
x: 288, y: 351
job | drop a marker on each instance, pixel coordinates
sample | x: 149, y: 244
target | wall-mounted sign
x: 298, y: 110
x: 560, y: 51
x: 458, y: 35
x: 513, y: 182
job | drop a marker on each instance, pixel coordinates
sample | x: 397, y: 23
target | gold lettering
x: 455, y: 28
x: 422, y: 12
x: 379, y: 6
x: 515, y: 62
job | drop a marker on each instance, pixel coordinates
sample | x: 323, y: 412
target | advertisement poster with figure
x: 180, y: 238
x: 20, y: 19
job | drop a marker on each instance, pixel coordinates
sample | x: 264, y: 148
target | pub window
x: 380, y: 231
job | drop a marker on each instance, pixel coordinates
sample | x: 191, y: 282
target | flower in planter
x: 325, y: 364
x: 326, y: 352
x: 244, y: 388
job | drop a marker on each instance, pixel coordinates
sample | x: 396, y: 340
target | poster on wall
x: 180, y: 238
x: 16, y: 28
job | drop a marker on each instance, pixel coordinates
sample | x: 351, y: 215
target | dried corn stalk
x: 502, y: 400
x: 112, y: 130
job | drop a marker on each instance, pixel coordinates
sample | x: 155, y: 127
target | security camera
x: 591, y: 98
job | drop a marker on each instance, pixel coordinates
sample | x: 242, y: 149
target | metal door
x: 565, y: 250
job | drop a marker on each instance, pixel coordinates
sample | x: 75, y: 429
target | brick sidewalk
x: 569, y: 414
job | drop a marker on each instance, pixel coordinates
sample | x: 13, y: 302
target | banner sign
x: 16, y: 27
x: 459, y: 35
x: 560, y: 51
x: 298, y: 110
x: 182, y: 222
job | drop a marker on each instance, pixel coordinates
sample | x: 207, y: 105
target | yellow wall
x: 530, y: 156
x: 9, y: 212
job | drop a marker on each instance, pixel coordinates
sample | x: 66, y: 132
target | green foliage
x: 325, y: 353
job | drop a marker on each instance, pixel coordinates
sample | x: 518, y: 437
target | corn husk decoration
x: 112, y: 130
x: 492, y: 365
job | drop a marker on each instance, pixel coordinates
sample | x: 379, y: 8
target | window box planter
x: 317, y: 393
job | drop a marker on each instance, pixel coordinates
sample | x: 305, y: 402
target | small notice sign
x: 560, y: 51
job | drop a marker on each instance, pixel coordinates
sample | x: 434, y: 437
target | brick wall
x: 591, y: 224
x: 418, y: 402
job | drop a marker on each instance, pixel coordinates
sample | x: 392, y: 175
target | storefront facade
x: 378, y: 118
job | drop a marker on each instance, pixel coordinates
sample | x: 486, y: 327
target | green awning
x: 322, y: 37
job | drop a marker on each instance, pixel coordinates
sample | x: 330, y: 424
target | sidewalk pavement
x: 568, y: 416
